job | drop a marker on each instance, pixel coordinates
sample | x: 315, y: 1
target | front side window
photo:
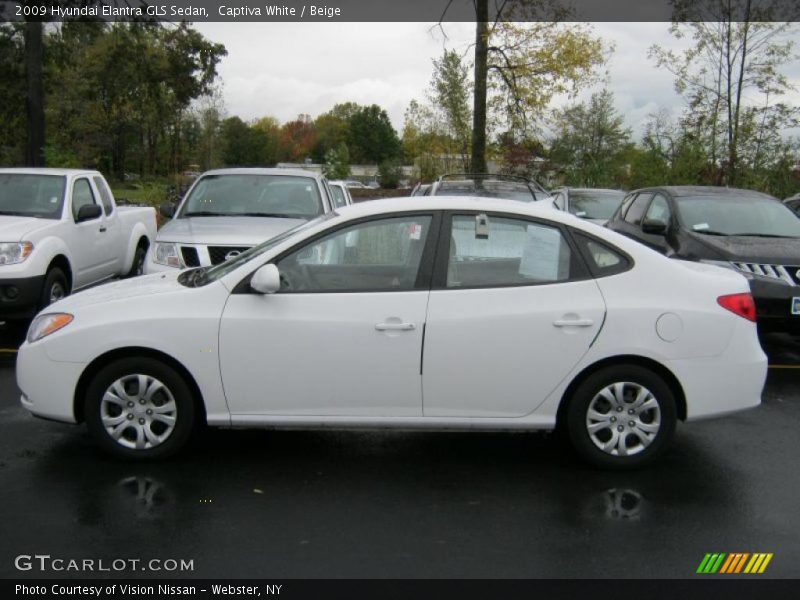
x: 28, y: 195
x: 338, y: 196
x: 635, y: 211
x: 287, y: 196
x: 81, y: 196
x: 382, y: 255
x: 658, y: 211
x: 492, y: 251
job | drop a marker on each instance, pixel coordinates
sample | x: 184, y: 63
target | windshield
x: 204, y: 275
x: 595, y: 204
x: 738, y: 215
x: 286, y: 196
x: 29, y: 195
x: 488, y: 188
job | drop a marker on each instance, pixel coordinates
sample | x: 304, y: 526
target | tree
x: 590, y: 142
x: 733, y: 65
x: 450, y: 94
x: 297, y: 139
x: 371, y: 137
x: 337, y: 163
x: 520, y: 66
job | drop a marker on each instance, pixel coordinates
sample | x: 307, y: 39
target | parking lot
x: 394, y: 504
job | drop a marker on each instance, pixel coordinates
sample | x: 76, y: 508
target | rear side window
x: 602, y: 258
x: 105, y: 195
x: 636, y: 210
x: 488, y: 251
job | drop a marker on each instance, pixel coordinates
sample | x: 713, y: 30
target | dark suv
x: 740, y: 229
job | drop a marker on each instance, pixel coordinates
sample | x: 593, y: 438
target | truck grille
x: 789, y: 274
x: 190, y: 257
x: 219, y: 254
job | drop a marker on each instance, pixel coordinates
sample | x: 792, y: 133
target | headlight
x: 44, y: 325
x: 166, y: 253
x: 14, y: 252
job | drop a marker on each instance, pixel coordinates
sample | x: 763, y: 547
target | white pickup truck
x: 61, y: 231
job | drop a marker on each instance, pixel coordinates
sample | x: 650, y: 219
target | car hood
x: 225, y: 231
x: 778, y: 251
x: 146, y: 285
x: 16, y: 229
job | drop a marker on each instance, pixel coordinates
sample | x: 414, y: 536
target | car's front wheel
x: 621, y: 416
x: 139, y: 408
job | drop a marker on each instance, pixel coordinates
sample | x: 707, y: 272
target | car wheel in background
x: 137, y: 267
x: 55, y: 287
x: 622, y: 417
x: 139, y: 408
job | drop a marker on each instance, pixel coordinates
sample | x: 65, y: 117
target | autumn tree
x: 731, y: 75
x: 520, y: 66
x: 297, y: 139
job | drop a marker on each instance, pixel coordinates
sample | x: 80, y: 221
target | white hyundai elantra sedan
x: 429, y: 313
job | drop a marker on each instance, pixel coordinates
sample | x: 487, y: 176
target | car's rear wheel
x: 622, y: 416
x: 139, y: 408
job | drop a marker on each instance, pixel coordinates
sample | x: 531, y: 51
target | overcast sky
x: 285, y: 69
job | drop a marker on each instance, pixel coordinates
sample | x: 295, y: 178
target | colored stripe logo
x: 734, y: 563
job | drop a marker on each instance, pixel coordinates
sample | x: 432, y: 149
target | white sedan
x: 414, y: 313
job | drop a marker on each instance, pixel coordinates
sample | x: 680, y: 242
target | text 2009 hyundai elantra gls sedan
x: 431, y: 313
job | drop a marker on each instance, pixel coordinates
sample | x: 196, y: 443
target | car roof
x: 454, y: 203
x: 680, y: 191
x: 262, y: 171
x: 588, y: 189
x: 47, y: 171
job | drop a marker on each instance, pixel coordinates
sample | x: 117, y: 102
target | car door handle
x: 394, y: 326
x: 573, y: 322
x: 102, y: 230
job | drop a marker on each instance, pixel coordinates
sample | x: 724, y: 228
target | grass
x: 149, y: 192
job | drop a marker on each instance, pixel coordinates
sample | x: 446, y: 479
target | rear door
x: 512, y: 311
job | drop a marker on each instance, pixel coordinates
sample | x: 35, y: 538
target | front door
x: 343, y: 336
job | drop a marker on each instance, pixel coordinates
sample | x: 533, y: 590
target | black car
x: 793, y: 202
x: 740, y: 229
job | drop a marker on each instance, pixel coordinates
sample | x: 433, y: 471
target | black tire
x: 176, y: 387
x: 628, y: 450
x: 54, y: 281
x: 137, y: 267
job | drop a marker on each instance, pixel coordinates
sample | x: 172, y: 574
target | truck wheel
x: 55, y: 287
x: 137, y: 268
x: 139, y: 408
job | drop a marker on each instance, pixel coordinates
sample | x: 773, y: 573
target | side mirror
x: 167, y: 210
x: 87, y: 212
x: 267, y: 280
x: 654, y: 227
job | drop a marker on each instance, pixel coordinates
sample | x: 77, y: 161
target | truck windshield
x: 28, y: 195
x: 232, y: 195
x: 738, y: 215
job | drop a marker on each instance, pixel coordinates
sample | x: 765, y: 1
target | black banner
x: 398, y: 10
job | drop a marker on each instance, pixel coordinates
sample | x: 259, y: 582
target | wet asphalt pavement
x: 395, y: 504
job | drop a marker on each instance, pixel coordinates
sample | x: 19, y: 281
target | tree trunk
x: 478, y: 163
x: 34, y: 148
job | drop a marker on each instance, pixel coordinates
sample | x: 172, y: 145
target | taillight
x: 739, y: 304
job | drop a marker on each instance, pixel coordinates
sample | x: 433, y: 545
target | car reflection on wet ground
x: 400, y: 504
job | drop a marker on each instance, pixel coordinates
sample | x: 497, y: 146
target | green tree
x: 371, y: 137
x: 337, y: 162
x: 590, y: 142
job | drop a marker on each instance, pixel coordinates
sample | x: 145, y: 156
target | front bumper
x: 47, y: 386
x: 774, y: 300
x: 20, y: 297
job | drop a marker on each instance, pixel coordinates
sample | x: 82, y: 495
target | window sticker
x: 415, y: 231
x: 541, y: 253
x: 701, y: 227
